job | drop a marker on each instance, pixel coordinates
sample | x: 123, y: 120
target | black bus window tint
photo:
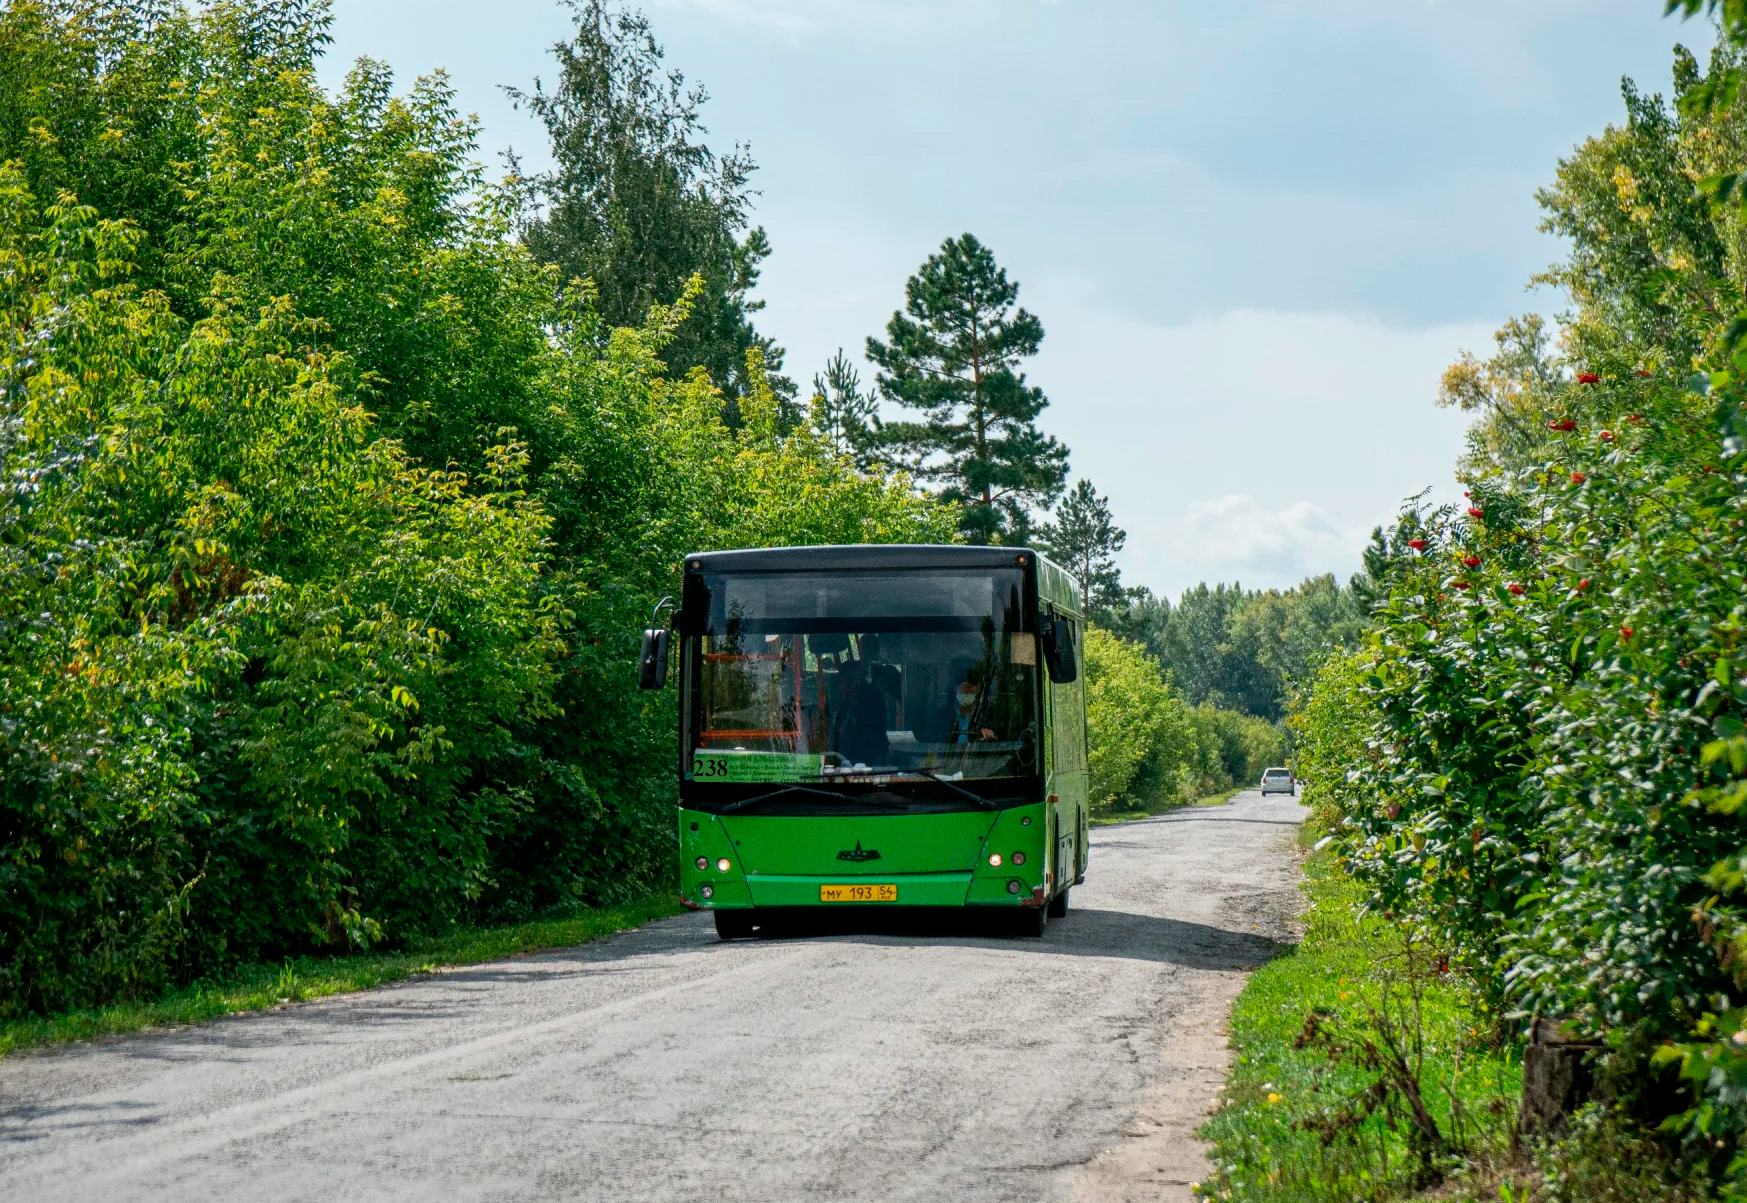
x: 1069, y: 729
x: 802, y: 675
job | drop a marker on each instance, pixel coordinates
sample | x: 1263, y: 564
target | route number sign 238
x: 706, y: 768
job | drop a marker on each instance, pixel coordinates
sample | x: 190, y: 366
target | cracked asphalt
x: 881, y: 1061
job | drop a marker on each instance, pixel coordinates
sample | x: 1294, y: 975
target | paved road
x: 661, y: 1064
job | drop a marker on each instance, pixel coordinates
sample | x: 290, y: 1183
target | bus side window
x: 1068, y: 725
x: 1050, y: 754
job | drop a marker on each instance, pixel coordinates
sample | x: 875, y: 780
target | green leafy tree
x: 1249, y: 650
x: 1289, y: 633
x: 637, y: 203
x: 269, y: 681
x: 1084, y: 538
x: 952, y: 355
x: 1198, y: 652
x: 1235, y: 747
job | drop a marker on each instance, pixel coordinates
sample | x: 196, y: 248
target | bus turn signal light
x: 995, y: 859
x: 1019, y: 858
x: 722, y: 865
x: 1012, y: 887
x: 707, y: 890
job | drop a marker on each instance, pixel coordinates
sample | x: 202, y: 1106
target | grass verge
x: 1105, y: 818
x: 1287, y: 1128
x: 255, y: 987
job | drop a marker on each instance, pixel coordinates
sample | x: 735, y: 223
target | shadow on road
x: 1083, y: 933
x: 15, y: 1120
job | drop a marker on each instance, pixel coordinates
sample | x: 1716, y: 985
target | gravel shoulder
x: 878, y: 1062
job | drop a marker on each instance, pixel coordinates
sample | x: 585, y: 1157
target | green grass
x: 1260, y: 1151
x: 1106, y: 817
x: 255, y: 987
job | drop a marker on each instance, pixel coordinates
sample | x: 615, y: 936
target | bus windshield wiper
x: 743, y: 803
x: 985, y: 803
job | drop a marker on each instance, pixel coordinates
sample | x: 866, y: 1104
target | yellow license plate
x: 858, y: 893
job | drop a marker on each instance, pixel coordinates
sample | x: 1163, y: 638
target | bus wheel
x: 1030, y: 921
x: 734, y: 925
x: 1058, y: 906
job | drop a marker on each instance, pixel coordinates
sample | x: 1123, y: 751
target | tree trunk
x: 1557, y: 1078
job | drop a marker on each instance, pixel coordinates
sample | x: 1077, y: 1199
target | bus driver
x: 964, y: 723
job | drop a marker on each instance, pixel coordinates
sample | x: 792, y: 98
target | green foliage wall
x: 1537, y: 758
x: 327, y: 522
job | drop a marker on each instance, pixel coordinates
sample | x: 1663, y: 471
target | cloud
x: 1238, y: 538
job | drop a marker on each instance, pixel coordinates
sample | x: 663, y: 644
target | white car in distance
x: 1279, y: 781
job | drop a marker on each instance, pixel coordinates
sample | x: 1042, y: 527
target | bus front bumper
x: 912, y: 890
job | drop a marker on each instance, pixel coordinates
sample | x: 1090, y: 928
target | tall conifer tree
x: 952, y: 355
x: 844, y: 413
x: 1084, y: 538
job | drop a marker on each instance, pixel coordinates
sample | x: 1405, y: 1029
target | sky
x: 1255, y: 233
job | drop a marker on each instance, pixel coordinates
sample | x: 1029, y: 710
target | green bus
x: 878, y: 726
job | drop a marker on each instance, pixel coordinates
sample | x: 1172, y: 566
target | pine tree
x: 846, y: 416
x: 637, y: 203
x: 952, y: 355
x: 1085, y: 539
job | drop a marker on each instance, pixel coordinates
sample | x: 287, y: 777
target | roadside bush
x: 1139, y: 732
x: 1550, y: 716
x: 1330, y: 754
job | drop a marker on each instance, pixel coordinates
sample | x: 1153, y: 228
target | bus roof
x: 1054, y: 583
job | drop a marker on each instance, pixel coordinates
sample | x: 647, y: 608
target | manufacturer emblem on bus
x: 857, y: 853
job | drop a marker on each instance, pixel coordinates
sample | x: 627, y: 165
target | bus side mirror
x: 652, y: 663
x: 1058, y: 650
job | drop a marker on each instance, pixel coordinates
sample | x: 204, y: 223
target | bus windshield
x: 814, y: 676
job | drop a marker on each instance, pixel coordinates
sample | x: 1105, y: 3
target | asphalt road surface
x: 855, y: 1063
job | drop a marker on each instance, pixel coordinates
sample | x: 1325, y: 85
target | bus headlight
x: 722, y: 865
x: 995, y: 859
